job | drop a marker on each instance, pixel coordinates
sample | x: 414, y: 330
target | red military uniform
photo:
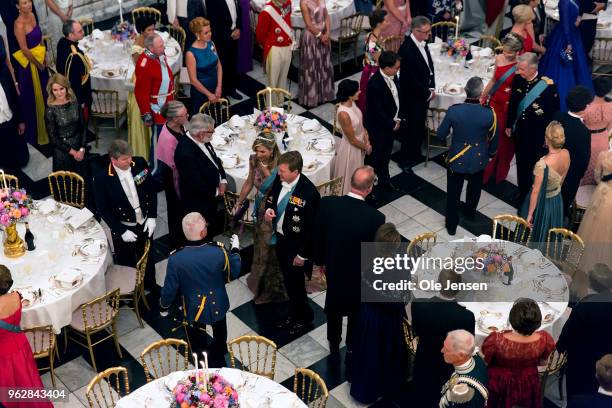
x: 149, y: 80
x: 269, y: 33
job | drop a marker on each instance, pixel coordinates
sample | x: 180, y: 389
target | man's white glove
x: 149, y: 226
x: 129, y: 236
x: 235, y: 242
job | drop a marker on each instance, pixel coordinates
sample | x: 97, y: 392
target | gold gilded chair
x: 11, y: 181
x: 411, y: 341
x: 421, y: 244
x: 379, y: 4
x: 392, y: 43
x: 106, y: 105
x: 51, y: 55
x: 106, y: 388
x: 310, y: 388
x: 146, y: 12
x: 164, y: 357
x: 257, y: 354
x: 67, y: 187
x: 488, y: 41
x: 331, y: 187
x: 511, y: 228
x: 564, y: 248
x: 130, y: 282
x: 555, y: 366
x: 88, y: 25
x: 581, y: 203
x: 229, y: 200
x: 279, y: 97
x: 94, y: 317
x: 43, y: 343
x: 178, y: 34
x: 219, y: 110
x: 350, y: 28
x: 442, y: 30
x: 434, y: 118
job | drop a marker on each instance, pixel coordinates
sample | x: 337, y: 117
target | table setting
x: 337, y: 9
x: 510, y: 271
x: 233, y: 140
x: 604, y: 18
x: 65, y: 269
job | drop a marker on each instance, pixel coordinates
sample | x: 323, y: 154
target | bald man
x: 343, y: 223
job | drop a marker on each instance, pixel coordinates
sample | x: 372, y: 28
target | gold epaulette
x: 548, y: 80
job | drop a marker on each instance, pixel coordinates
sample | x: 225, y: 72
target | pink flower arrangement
x: 15, y: 205
x: 494, y: 259
x: 218, y: 393
x: 271, y: 121
x: 457, y: 47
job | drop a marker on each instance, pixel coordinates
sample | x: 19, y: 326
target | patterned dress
x: 316, y: 80
x: 395, y: 26
x: 598, y: 118
x: 66, y: 131
x: 372, y: 47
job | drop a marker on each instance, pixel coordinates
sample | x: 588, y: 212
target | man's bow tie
x: 285, y: 184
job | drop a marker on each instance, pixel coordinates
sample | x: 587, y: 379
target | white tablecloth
x: 55, y: 247
x: 338, y: 9
x: 604, y: 20
x: 254, y: 391
x: 490, y: 312
x: 107, y: 54
x: 242, y: 142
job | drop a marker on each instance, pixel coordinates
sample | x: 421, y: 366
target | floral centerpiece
x: 271, y: 121
x: 123, y: 31
x: 15, y: 206
x: 214, y: 392
x: 457, y: 48
x: 496, y: 262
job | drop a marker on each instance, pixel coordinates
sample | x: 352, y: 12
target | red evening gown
x: 17, y: 366
x: 527, y: 42
x: 513, y: 369
x: 499, y: 166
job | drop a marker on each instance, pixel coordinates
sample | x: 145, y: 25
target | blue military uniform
x: 467, y: 386
x: 474, y: 140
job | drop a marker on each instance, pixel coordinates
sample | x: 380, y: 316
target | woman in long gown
x: 523, y: 26
x: 355, y: 143
x: 598, y: 118
x: 513, y: 356
x: 245, y: 42
x: 399, y: 18
x: 595, y: 228
x: 139, y: 136
x: 31, y: 73
x: 373, y: 47
x: 316, y: 80
x: 17, y: 366
x: 543, y: 206
x: 497, y: 93
x: 265, y: 280
x: 565, y: 41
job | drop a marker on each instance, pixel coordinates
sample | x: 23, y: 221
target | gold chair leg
x: 51, y: 368
x: 136, y: 300
x: 144, y: 298
x: 91, y: 353
x: 65, y: 330
x: 116, y: 338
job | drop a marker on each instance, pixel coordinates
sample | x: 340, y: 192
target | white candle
x: 120, y: 11
x: 4, y: 185
x: 270, y: 98
x: 457, y: 27
x: 205, y: 359
x: 195, y: 357
x: 205, y: 375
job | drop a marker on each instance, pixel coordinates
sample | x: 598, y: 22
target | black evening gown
x: 66, y: 131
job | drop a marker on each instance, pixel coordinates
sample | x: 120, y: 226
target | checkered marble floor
x: 418, y: 207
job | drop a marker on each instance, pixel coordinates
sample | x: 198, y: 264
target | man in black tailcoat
x: 589, y: 10
x: 291, y: 207
x: 534, y: 100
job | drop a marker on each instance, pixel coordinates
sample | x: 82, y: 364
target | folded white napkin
x: 236, y: 121
x: 311, y: 125
x: 97, y: 34
x: 47, y: 206
x: 79, y: 217
x: 27, y: 298
x: 92, y: 248
x: 323, y: 144
x: 485, y: 52
x: 68, y: 277
x: 164, y: 35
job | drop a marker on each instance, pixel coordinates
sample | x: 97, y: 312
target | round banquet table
x: 57, y: 251
x: 533, y: 279
x: 110, y: 57
x: 604, y: 20
x: 448, y: 72
x: 231, y: 143
x: 337, y: 9
x: 254, y: 391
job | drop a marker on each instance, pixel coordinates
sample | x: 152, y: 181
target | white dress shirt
x: 233, y: 12
x: 421, y: 46
x: 176, y: 8
x: 284, y: 191
x: 202, y: 147
x: 129, y: 188
x: 391, y: 84
x: 604, y: 392
x: 357, y: 196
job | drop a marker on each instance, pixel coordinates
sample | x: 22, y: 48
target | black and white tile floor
x: 418, y: 207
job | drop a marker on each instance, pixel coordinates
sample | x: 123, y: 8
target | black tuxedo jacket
x: 111, y: 201
x: 586, y: 338
x: 590, y: 401
x: 221, y: 19
x: 432, y: 319
x: 198, y: 177
x: 379, y: 117
x: 343, y: 223
x: 416, y: 78
x: 299, y: 216
x: 578, y: 143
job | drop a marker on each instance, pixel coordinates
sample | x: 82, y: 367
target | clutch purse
x: 566, y: 57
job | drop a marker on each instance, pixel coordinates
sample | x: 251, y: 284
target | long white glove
x: 129, y: 236
x: 235, y: 242
x: 149, y: 226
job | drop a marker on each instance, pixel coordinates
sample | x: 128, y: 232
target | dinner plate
x: 112, y: 73
x: 323, y: 146
x: 92, y: 247
x: 231, y: 162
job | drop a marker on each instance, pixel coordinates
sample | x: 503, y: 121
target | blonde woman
x: 65, y: 126
x: 523, y: 26
x: 265, y: 279
x: 543, y: 207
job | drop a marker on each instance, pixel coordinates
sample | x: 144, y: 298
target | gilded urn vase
x: 14, y: 247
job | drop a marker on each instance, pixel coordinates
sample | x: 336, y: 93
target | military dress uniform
x: 467, y: 386
x: 529, y: 126
x: 199, y: 272
x: 121, y: 212
x: 74, y: 65
x: 474, y: 140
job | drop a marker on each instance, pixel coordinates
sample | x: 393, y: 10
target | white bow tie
x: 285, y: 184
